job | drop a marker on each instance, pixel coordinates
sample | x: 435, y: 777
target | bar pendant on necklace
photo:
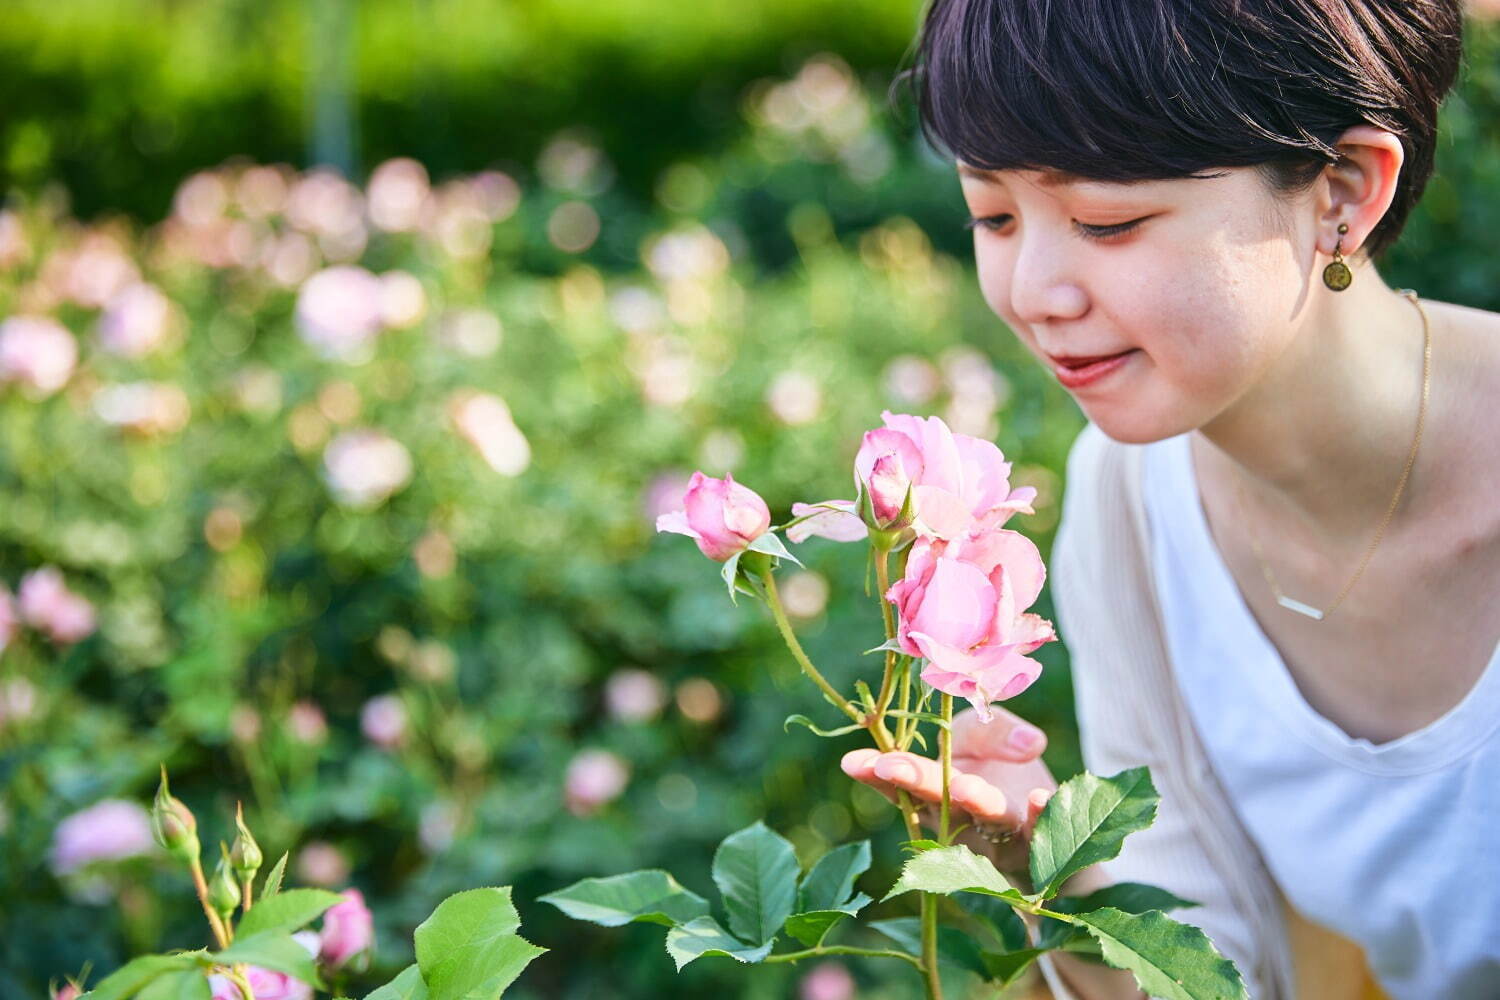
x: 1292, y: 604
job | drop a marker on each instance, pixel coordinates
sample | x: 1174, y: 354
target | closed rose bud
x: 223, y: 890
x: 173, y: 824
x: 348, y: 930
x: 245, y: 854
x: 722, y: 516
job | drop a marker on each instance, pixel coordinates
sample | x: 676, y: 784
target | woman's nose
x: 1045, y: 283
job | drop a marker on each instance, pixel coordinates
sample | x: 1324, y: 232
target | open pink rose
x: 348, y: 930
x: 722, y: 516
x: 958, y: 483
x: 962, y: 608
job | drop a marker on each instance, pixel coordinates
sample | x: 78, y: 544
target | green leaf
x: 730, y: 572
x: 756, y: 870
x: 132, y: 977
x: 287, y: 911
x: 1171, y: 960
x: 999, y: 916
x: 955, y: 948
x: 952, y: 869
x: 704, y: 936
x: 406, y: 986
x: 469, y: 950
x: 770, y: 544
x: 830, y: 882
x: 1086, y: 821
x: 918, y: 846
x: 272, y: 884
x: 803, y: 720
x: 1131, y: 897
x: 186, y: 985
x: 1007, y: 967
x: 651, y: 896
x: 811, y: 926
x: 273, y: 950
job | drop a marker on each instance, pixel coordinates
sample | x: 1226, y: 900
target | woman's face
x: 1200, y: 281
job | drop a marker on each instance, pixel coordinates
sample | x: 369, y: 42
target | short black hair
x: 1122, y: 90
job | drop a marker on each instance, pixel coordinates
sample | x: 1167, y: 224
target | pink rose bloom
x: 136, y: 320
x: 958, y: 483
x: 265, y: 984
x: 364, y: 467
x: 348, y: 929
x: 47, y: 604
x: 722, y: 516
x: 962, y: 606
x: 383, y: 721
x: 827, y: 981
x: 38, y: 352
x: 106, y: 831
x: 339, y: 312
x: 10, y: 623
x: 594, y: 778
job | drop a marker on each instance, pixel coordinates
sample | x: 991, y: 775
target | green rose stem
x: 773, y: 601
x: 841, y: 949
x: 237, y: 976
x: 221, y: 933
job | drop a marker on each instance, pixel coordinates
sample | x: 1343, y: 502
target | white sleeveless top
x: 1395, y: 845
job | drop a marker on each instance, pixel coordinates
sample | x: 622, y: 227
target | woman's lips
x: 1077, y: 372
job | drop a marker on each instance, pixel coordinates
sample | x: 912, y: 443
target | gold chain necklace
x: 1292, y: 604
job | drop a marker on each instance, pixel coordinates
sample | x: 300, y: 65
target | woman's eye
x: 987, y: 222
x: 1105, y: 232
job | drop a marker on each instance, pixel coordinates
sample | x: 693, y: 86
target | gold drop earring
x: 1337, y: 275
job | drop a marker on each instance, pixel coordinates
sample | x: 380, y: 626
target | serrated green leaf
x: 952, y: 869
x: 811, y: 926
x: 770, y: 544
x: 756, y: 870
x: 918, y: 846
x: 830, y: 881
x: 1085, y: 822
x: 703, y: 936
x: 469, y: 950
x: 275, y: 951
x: 187, y: 985
x: 1171, y: 960
x: 1131, y: 897
x: 955, y: 949
x: 272, y: 885
x: 651, y: 896
x: 132, y: 977
x: 287, y: 911
x: 1006, y: 967
x: 803, y: 720
x: 408, y: 985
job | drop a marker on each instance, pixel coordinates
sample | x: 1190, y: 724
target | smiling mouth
x: 1077, y: 361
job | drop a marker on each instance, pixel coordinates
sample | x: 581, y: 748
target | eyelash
x: 1100, y: 233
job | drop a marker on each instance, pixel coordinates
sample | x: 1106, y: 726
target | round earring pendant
x: 1337, y: 276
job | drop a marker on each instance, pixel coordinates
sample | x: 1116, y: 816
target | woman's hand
x: 998, y: 781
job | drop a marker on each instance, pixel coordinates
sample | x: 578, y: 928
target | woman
x: 1278, y: 570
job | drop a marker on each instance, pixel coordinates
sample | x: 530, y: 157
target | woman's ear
x: 1360, y: 187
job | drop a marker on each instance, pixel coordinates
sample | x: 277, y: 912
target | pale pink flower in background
x: 722, y: 516
x: 962, y: 608
x: 826, y: 981
x: 145, y: 408
x: 396, y: 193
x: 289, y: 258
x: 257, y: 389
x: 364, y: 467
x: 17, y: 700
x: 95, y: 270
x: 265, y: 984
x: 322, y: 864
x: 383, y: 721
x: 692, y: 253
x: 67, y: 991
x: 664, y: 494
x: 637, y: 310
x: 110, y: 830
x: 136, y: 321
x: 201, y: 199
x: 48, y: 605
x: 485, y: 422
x: 795, y: 398
x: 339, y: 312
x: 474, y: 333
x: 324, y: 204
x: 261, y: 191
x: 403, y: 300
x: 455, y: 219
x: 348, y: 930
x: 38, y: 352
x: 912, y: 381
x: 594, y: 778
x: 10, y: 622
x: 634, y: 695
x: 498, y: 194
x: 804, y: 593
x: 244, y: 724
x: 13, y: 246
x: 437, y: 826
x: 306, y: 722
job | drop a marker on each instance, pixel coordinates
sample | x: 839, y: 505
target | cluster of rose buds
x: 944, y: 496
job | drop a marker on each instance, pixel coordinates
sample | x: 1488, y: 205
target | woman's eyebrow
x: 1049, y: 178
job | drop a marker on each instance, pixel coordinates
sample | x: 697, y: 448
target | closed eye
x: 996, y: 222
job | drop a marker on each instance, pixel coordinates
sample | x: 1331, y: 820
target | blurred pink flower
x: 324, y: 204
x: 474, y: 333
x: 403, y: 300
x: 485, y: 422
x: 722, y: 516
x: 827, y: 981
x: 67, y: 991
x: 13, y: 247
x: 136, y: 320
x: 201, y: 199
x: 10, y: 622
x: 437, y: 826
x: 38, y: 352
x: 911, y: 381
x: 306, y: 722
x: 261, y: 191
x: 244, y: 724
x: 664, y: 494
x: 634, y: 695
x: 322, y: 864
x: 498, y: 194
x: 145, y: 408
x: 265, y: 984
x: 348, y: 930
x: 48, y: 605
x: 364, y: 467
x: 594, y: 778
x: 339, y: 312
x: 397, y: 190
x: 962, y: 608
x: 17, y: 700
x: 795, y: 398
x: 383, y: 721
x: 106, y: 831
x: 95, y: 270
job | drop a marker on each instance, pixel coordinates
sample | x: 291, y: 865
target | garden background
x: 342, y: 491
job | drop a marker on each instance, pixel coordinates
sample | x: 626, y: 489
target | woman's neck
x: 1324, y: 435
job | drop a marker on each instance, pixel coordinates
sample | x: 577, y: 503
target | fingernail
x: 898, y: 771
x: 1024, y: 737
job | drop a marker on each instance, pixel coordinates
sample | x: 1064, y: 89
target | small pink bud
x: 348, y: 930
x: 722, y: 516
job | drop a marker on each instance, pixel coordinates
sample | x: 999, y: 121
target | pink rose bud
x: 722, y: 516
x: 827, y: 981
x: 348, y: 930
x: 961, y: 608
x: 106, y: 831
x: 38, y: 352
x: 265, y: 984
x: 383, y: 721
x: 594, y: 779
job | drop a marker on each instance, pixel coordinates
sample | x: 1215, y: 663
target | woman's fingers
x: 923, y: 778
x: 1005, y: 737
